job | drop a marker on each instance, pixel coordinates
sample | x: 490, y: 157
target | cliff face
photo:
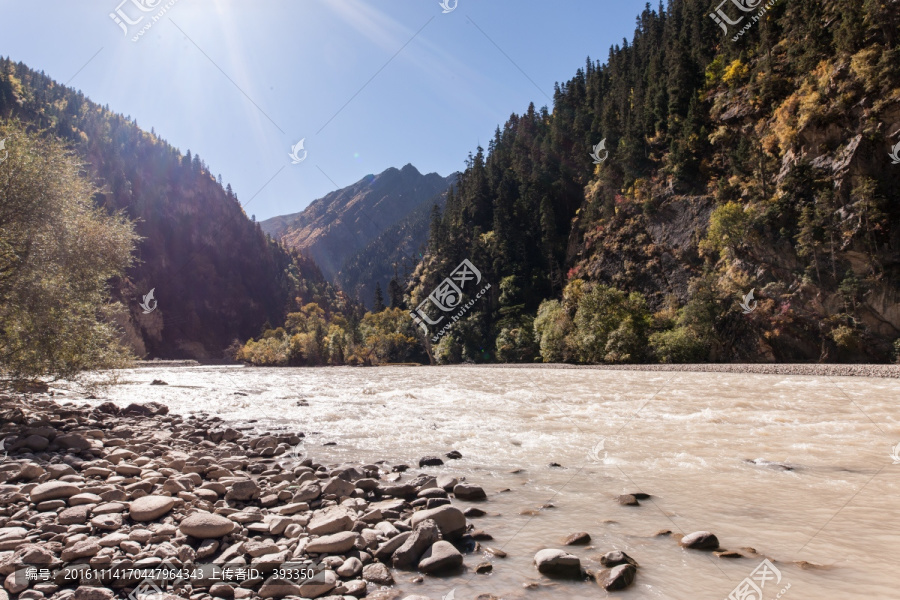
x: 341, y: 225
x: 820, y: 226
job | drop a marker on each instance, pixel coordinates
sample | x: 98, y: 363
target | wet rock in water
x: 778, y: 466
x: 700, y: 540
x: 617, y: 578
x: 495, y: 552
x: 158, y: 382
x: 467, y: 491
x: 430, y: 461
x: 627, y: 500
x: 454, y: 455
x: 555, y: 465
x: 578, y: 539
x: 423, y: 537
x: 449, y: 519
x: 728, y: 554
x: 150, y: 508
x: 557, y: 563
x: 662, y: 532
x: 378, y: 574
x: 205, y: 525
x: 442, y: 556
x: 446, y: 482
x: 616, y: 558
x: 473, y: 511
x: 387, y: 549
x: 484, y: 568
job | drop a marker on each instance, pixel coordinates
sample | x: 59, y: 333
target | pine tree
x: 395, y: 293
x: 379, y: 299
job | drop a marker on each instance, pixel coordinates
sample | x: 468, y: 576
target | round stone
x: 53, y: 490
x: 205, y: 525
x: 150, y: 508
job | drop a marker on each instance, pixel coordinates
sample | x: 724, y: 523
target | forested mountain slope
x: 756, y: 158
x: 215, y: 275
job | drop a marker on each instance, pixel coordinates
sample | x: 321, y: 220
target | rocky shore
x: 103, y: 502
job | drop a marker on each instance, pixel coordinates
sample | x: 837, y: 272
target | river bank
x: 790, y: 466
x: 157, y: 505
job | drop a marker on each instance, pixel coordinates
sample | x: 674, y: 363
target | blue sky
x: 368, y: 85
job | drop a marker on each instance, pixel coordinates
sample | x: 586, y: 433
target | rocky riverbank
x: 106, y: 502
x: 806, y: 369
x: 102, y: 502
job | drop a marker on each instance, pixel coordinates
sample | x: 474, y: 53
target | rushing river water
x: 685, y: 438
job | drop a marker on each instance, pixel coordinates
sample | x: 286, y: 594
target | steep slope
x: 215, y: 275
x: 336, y: 227
x: 394, y: 254
x: 752, y: 159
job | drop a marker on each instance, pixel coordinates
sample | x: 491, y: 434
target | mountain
x: 393, y: 255
x: 335, y: 228
x: 743, y: 208
x: 214, y: 274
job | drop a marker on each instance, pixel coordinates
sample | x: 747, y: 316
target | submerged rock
x: 700, y: 540
x: 617, y: 578
x: 558, y: 563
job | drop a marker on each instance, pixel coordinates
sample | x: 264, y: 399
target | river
x: 685, y: 438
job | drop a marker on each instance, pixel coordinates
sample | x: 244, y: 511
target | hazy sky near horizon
x: 367, y: 85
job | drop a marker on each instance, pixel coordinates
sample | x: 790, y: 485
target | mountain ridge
x: 337, y: 226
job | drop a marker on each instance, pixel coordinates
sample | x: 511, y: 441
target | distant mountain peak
x: 336, y: 227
